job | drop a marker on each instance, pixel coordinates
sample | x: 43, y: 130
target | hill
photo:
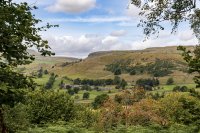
x: 46, y: 62
x: 93, y: 67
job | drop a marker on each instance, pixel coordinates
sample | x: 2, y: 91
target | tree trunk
x: 2, y: 124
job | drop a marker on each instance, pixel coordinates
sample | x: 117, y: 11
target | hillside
x: 93, y: 66
x: 46, y: 62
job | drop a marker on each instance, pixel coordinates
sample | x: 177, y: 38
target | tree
x: 123, y: 84
x: 51, y: 81
x: 180, y: 89
x: 62, y: 84
x: 116, y: 80
x: 193, y: 60
x: 99, y: 100
x: 133, y: 72
x: 40, y: 72
x: 18, y: 31
x: 76, y: 90
x: 170, y: 81
x: 46, y: 72
x: 86, y: 95
x: 156, y: 12
x: 118, y: 71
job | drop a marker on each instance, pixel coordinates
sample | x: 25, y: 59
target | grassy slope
x: 93, y: 66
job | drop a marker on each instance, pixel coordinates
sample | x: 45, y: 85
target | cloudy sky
x: 87, y: 26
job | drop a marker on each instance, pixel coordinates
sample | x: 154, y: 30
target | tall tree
x: 19, y: 31
x: 155, y: 12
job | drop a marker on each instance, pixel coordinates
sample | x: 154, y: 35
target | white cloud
x: 186, y: 35
x: 128, y: 23
x: 72, y: 6
x: 90, y: 20
x: 109, y: 40
x: 133, y: 11
x: 118, y: 33
x: 35, y: 2
x: 82, y: 45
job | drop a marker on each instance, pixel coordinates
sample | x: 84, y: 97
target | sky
x: 87, y: 26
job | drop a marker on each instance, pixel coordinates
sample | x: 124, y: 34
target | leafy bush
x: 49, y: 106
x: 181, y: 88
x: 16, y: 118
x: 159, y: 68
x: 99, y: 100
x: 147, y: 84
x: 51, y: 81
x: 86, y: 95
x: 170, y: 81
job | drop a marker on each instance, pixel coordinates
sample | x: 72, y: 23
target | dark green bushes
x: 159, y: 68
x: 147, y: 84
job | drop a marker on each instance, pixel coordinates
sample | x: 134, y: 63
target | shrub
x: 133, y: 72
x: 51, y: 81
x: 16, y: 118
x: 181, y: 88
x: 170, y: 81
x: 49, y: 106
x: 118, y: 71
x: 86, y: 95
x: 86, y: 87
x: 147, y: 84
x: 99, y: 100
x: 76, y: 90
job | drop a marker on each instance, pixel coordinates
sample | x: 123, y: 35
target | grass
x: 93, y: 66
x: 42, y: 81
x: 93, y: 95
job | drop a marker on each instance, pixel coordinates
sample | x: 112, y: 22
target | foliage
x: 99, y: 100
x: 86, y: 95
x: 46, y: 72
x: 193, y: 59
x: 133, y: 72
x: 156, y: 12
x: 16, y: 118
x: 123, y: 84
x: 49, y: 106
x: 182, y: 109
x: 170, y: 81
x: 86, y: 117
x: 86, y: 87
x: 10, y: 96
x: 76, y: 89
x: 147, y: 84
x: 110, y: 116
x: 72, y: 91
x: 51, y: 81
x: 117, y: 80
x: 119, y: 66
x: 118, y: 71
x: 181, y: 89
x: 91, y: 82
x: 40, y: 73
x: 14, y: 80
x: 19, y: 32
x: 159, y: 68
x: 157, y: 95
x: 128, y: 97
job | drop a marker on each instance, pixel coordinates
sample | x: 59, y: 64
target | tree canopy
x: 19, y: 31
x: 155, y: 12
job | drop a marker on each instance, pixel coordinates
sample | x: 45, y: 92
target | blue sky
x: 87, y: 26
